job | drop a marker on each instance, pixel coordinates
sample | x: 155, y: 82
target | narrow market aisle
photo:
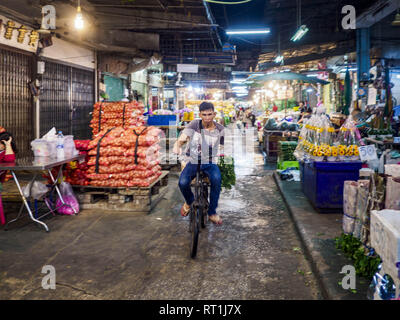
x: 97, y: 255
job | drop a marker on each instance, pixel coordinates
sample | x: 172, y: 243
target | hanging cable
x: 224, y: 2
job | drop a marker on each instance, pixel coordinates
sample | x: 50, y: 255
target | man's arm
x: 183, y: 138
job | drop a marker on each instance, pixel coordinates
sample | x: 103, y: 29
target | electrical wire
x: 224, y: 2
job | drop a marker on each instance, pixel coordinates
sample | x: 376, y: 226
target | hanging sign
x: 17, y: 35
x: 361, y: 92
x: 372, y: 93
x: 188, y: 68
x: 368, y: 153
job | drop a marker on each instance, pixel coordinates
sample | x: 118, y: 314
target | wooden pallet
x: 136, y: 199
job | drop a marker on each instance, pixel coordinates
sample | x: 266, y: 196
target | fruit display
x: 121, y: 157
x: 76, y: 172
x: 82, y: 145
x: 107, y: 115
x: 221, y: 107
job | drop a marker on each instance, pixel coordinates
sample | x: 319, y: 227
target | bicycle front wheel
x: 194, y: 221
x: 204, y: 214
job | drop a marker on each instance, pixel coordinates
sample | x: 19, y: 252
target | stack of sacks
x: 116, y: 160
x: 392, y: 200
x: 108, y: 115
x: 362, y: 207
x: 350, y: 190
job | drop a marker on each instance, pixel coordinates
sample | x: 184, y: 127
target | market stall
x: 225, y: 109
x: 277, y: 91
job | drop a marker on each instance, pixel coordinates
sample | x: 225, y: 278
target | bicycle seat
x: 205, y: 179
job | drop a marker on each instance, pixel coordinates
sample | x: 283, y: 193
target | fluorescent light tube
x: 300, y: 33
x: 232, y: 32
x: 278, y: 59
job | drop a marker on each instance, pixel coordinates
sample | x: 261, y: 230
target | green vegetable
x: 365, y: 266
x: 227, y: 167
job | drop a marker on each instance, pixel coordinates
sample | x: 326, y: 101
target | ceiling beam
x: 152, y: 15
x: 311, y: 57
x: 377, y: 12
x: 163, y: 4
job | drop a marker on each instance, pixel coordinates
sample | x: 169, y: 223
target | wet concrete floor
x: 255, y: 254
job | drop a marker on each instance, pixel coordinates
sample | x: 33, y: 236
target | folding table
x: 37, y: 165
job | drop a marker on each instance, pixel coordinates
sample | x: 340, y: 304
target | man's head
x: 207, y: 112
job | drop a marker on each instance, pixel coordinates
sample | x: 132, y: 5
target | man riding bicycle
x: 209, y: 136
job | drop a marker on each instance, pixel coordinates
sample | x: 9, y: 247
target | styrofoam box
x: 385, y: 238
x: 392, y: 170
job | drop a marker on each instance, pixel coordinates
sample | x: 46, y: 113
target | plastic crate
x: 283, y: 165
x: 323, y: 183
x: 162, y: 120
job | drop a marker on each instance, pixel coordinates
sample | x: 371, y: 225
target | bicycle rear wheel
x: 194, y: 222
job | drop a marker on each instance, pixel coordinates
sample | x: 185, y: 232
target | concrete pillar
x: 363, y: 56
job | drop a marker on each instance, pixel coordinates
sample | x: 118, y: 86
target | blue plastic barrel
x: 323, y: 183
x: 161, y: 120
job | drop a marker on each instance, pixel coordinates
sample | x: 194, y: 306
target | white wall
x: 70, y: 53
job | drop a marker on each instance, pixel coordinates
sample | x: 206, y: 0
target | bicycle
x: 199, y: 209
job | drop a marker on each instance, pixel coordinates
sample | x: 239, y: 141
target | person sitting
x: 306, y: 115
x: 7, y: 154
x: 7, y: 147
x: 207, y: 135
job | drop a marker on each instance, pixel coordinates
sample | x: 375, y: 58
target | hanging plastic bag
x: 37, y: 191
x: 69, y: 198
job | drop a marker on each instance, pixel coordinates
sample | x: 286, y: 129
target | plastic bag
x: 316, y: 138
x: 41, y: 148
x: 348, y: 140
x: 69, y: 199
x: 69, y: 146
x: 37, y: 192
x: 51, y: 135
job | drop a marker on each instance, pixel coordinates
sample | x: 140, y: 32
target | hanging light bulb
x: 79, y: 18
x: 396, y: 22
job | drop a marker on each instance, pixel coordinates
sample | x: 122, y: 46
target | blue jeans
x: 213, y: 174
